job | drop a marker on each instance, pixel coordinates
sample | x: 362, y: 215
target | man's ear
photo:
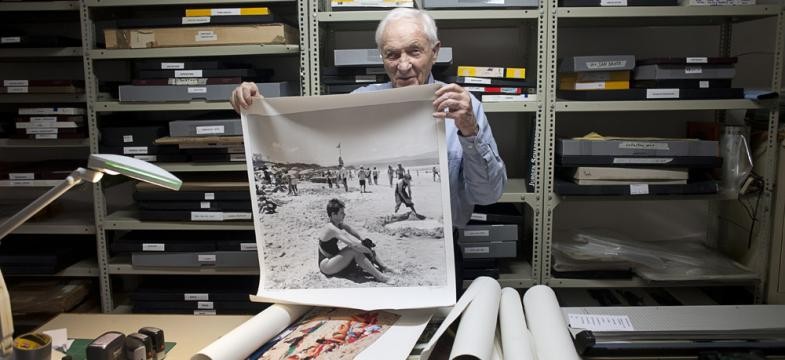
x: 435, y: 50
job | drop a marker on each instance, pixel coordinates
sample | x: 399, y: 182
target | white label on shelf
x: 222, y: 12
x: 647, y: 161
x: 605, y: 64
x: 204, y: 130
x: 196, y: 297
x: 46, y: 136
x: 190, y: 20
x: 21, y: 182
x: 21, y: 176
x: 662, y: 93
x: 474, y: 88
x: 479, y: 217
x: 206, y: 36
x: 237, y: 216
x: 247, y: 246
x: 30, y: 131
x: 153, y: 247
x: 595, y: 85
x: 43, y: 119
x: 197, y: 90
x: 644, y: 145
x: 703, y: 84
x: 209, y: 196
x: 495, y: 2
x: 695, y: 69
x: 697, y: 60
x: 613, y: 2
x: 204, y: 312
x: 474, y: 80
x: 204, y: 305
x: 133, y: 150
x: 15, y: 83
x: 477, y: 250
x: 128, y: 138
x: 18, y: 89
x: 188, y: 73
x: 10, y: 39
x: 236, y: 157
x: 600, y: 322
x: 365, y: 78
x: 477, y: 233
x: 204, y: 205
x: 172, y: 66
x: 206, y: 258
x: 152, y: 158
x: 206, y: 216
x: 639, y: 189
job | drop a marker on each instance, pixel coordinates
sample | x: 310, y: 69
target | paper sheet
x: 250, y: 335
x: 552, y: 340
x: 517, y: 342
x: 477, y: 329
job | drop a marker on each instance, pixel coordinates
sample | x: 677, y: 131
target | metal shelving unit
x: 203, y: 167
x: 41, y: 98
x: 127, y: 220
x: 83, y: 268
x: 29, y: 183
x: 115, y: 106
x: 724, y: 17
x: 192, y: 51
x: 122, y: 266
x: 41, y: 52
x: 40, y: 6
x: 28, y: 143
x: 69, y: 222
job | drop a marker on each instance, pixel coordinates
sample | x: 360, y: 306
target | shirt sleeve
x: 484, y: 173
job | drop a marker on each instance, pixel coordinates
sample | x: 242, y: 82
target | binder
x: 228, y: 11
x: 492, y: 72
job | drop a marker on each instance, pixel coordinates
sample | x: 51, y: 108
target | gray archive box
x: 210, y: 127
x: 487, y: 233
x: 490, y: 249
x: 163, y: 93
x: 439, y: 4
x: 370, y: 57
x: 666, y: 72
x: 237, y: 259
x: 639, y: 148
x: 197, y: 259
x: 597, y: 63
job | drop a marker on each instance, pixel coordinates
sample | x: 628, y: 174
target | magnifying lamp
x: 97, y: 166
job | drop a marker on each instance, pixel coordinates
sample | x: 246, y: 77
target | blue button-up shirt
x: 477, y: 174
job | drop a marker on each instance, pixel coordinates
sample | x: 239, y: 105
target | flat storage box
x: 195, y: 289
x: 683, y: 84
x: 338, y: 5
x: 131, y: 135
x: 206, y: 127
x: 634, y: 147
x: 371, y: 57
x: 227, y: 259
x: 196, y: 216
x: 575, y: 64
x: 638, y: 161
x: 563, y: 187
x: 616, y: 3
x: 266, y: 34
x: 207, y: 195
x: 651, y: 94
x: 196, y: 205
x: 441, y: 4
x: 156, y: 93
x: 174, y: 21
x: 693, y: 71
x: 489, y: 249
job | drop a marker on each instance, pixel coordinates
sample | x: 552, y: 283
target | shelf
x: 41, y: 98
x: 659, y: 105
x: 84, y: 268
x: 702, y: 197
x: 122, y: 266
x: 126, y: 220
x: 41, y: 52
x: 39, y: 6
x: 375, y: 16
x: 67, y: 222
x: 202, y: 167
x: 515, y: 192
x: 638, y: 282
x: 193, y: 51
x: 668, y: 11
x: 29, y: 183
x: 102, y: 3
x: 110, y: 106
x: 514, y: 273
x: 29, y: 143
x: 512, y: 106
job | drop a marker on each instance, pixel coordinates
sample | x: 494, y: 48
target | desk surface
x: 190, y: 332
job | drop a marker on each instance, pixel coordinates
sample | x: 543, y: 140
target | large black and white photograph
x: 350, y: 197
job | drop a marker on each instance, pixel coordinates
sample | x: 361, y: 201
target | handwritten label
x: 697, y: 60
x: 172, y: 66
x: 204, y: 312
x: 662, y: 93
x: 696, y: 69
x: 153, y: 247
x: 196, y: 297
x: 479, y: 217
x: 613, y: 2
x: 21, y: 176
x: 223, y: 12
x: 209, y: 196
x: 190, y: 20
x: 477, y: 250
x: 204, y: 130
x: 206, y: 216
x: 17, y: 89
x: 16, y: 83
x: 600, y: 322
x: 188, y: 73
x: 237, y: 216
x: 647, y: 161
x: 30, y: 131
x: 247, y: 246
x: 132, y: 150
x: 703, y: 84
x: 474, y: 80
x: 204, y: 305
x: 46, y: 136
x: 204, y: 205
x: 639, y: 189
x: 197, y: 90
x: 43, y: 119
x: 10, y: 39
x: 607, y: 64
x: 644, y: 145
x: 206, y: 36
x: 206, y: 258
x: 476, y: 233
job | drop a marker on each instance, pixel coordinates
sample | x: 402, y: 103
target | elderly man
x: 409, y: 46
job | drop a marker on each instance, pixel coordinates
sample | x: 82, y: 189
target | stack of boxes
x: 496, y: 84
x: 492, y: 234
x: 208, y: 140
x: 595, y: 73
x: 199, y: 199
x: 138, y: 142
x: 197, y: 296
x: 51, y: 123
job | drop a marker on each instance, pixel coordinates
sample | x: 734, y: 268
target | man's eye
x: 391, y: 56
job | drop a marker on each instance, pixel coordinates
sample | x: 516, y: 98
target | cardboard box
x: 200, y: 36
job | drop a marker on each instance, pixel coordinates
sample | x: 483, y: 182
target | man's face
x: 407, y: 54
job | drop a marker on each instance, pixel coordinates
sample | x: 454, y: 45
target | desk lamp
x: 97, y: 166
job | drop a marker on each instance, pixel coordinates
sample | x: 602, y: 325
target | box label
x: 474, y: 80
x: 600, y: 322
x: 694, y: 69
x: 206, y: 216
x: 41, y: 131
x: 196, y: 297
x: 209, y: 196
x: 10, y: 40
x: 43, y: 119
x: 46, y: 136
x: 236, y: 216
x: 128, y: 138
x: 205, y: 130
x: 613, y: 2
x: 644, y: 145
x: 236, y: 157
x: 479, y: 217
x: 247, y: 246
x: 15, y: 83
x: 596, y: 85
x: 222, y: 12
x: 172, y: 66
x: 703, y: 84
x: 662, y: 93
x: 697, y: 60
x: 133, y: 150
x: 151, y: 158
x: 477, y: 250
x: 204, y: 312
x: 188, y: 73
x: 639, y: 189
x: 21, y: 182
x: 206, y: 36
x: 17, y: 89
x: 607, y: 64
x: 204, y: 205
x: 647, y: 161
x: 365, y: 78
x: 477, y: 233
x: 190, y: 20
x: 21, y: 176
x: 153, y: 247
x: 197, y: 90
x: 206, y: 258
x: 204, y: 305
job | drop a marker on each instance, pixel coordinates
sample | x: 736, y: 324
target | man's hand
x: 242, y: 96
x: 453, y: 101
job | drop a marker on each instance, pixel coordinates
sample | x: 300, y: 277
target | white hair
x: 421, y: 17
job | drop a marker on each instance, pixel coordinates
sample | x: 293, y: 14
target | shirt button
x: 471, y: 146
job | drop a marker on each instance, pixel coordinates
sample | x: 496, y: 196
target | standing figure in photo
x: 342, y: 175
x: 293, y: 180
x: 403, y: 195
x: 375, y: 174
x: 333, y: 260
x: 436, y: 173
x: 361, y: 176
x: 400, y: 172
x: 328, y: 176
x: 390, y: 173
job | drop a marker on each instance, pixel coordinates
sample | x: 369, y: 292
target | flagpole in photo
x: 340, y: 159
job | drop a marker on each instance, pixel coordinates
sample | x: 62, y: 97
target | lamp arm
x: 75, y: 178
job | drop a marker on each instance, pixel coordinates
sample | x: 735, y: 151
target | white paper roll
x: 250, y: 335
x: 516, y: 338
x: 478, y: 324
x: 552, y: 340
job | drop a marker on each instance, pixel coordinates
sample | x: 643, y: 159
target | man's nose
x: 404, y: 64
